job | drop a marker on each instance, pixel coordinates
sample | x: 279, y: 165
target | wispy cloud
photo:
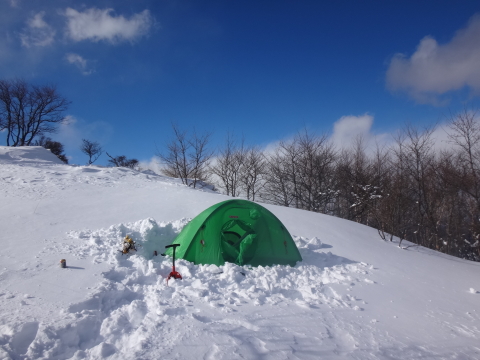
x: 102, y: 25
x: 37, y: 32
x: 79, y: 62
x: 436, y: 69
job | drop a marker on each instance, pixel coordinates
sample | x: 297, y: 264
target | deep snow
x: 352, y: 297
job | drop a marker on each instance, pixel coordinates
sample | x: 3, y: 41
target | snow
x: 353, y: 296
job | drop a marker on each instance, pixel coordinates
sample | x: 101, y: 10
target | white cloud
x: 348, y: 128
x: 436, y: 69
x: 37, y: 32
x: 79, y: 62
x: 97, y: 25
x: 14, y: 3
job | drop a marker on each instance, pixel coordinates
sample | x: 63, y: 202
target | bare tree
x: 28, y: 111
x: 92, y: 149
x: 300, y: 173
x: 175, y: 159
x: 284, y: 175
x: 228, y: 165
x: 379, y: 206
x: 315, y: 171
x: 420, y: 166
x: 187, y: 156
x: 457, y: 211
x: 465, y: 135
x: 359, y: 182
x: 464, y: 173
x: 398, y: 205
x: 122, y: 161
x: 252, y: 172
x: 199, y: 157
x: 278, y: 189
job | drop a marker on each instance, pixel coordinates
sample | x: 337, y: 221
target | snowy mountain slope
x: 353, y: 297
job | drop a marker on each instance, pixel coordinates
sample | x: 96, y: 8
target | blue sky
x: 265, y: 69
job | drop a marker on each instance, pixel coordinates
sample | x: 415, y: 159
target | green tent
x: 236, y: 231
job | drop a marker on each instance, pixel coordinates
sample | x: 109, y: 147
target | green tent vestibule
x: 236, y: 231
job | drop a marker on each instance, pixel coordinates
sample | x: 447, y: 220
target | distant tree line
x: 408, y: 190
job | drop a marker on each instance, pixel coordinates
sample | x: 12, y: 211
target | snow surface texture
x: 352, y: 297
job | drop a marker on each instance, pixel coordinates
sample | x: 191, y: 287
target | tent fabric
x: 236, y: 231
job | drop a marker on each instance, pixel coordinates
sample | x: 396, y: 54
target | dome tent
x: 236, y: 231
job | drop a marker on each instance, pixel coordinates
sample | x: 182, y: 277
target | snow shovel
x: 175, y: 274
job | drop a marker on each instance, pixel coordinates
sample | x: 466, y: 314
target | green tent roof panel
x: 236, y: 231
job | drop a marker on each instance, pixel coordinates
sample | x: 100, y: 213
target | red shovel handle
x: 174, y: 274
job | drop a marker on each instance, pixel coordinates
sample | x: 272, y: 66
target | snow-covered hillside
x: 352, y: 297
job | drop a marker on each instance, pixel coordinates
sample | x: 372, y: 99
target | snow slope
x: 353, y: 297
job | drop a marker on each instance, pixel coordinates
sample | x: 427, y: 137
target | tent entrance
x: 238, y: 242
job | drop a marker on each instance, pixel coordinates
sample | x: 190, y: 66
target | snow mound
x: 133, y: 306
x: 27, y: 154
x: 413, y: 304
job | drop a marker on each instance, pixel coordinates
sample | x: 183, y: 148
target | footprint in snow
x: 22, y: 339
x: 201, y: 318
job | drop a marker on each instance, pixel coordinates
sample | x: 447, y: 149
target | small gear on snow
x: 128, y: 245
x: 175, y: 274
